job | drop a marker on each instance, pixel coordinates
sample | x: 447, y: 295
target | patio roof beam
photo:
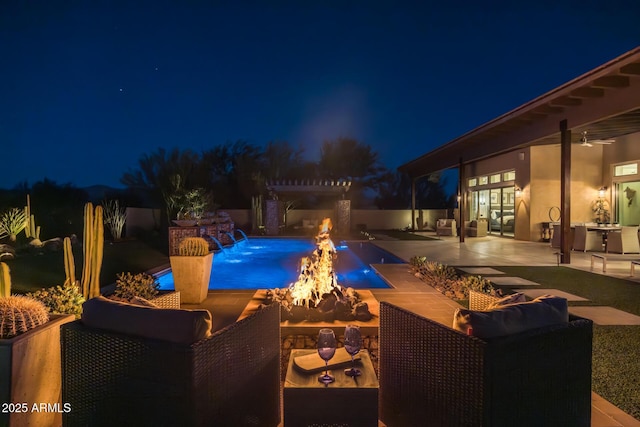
x: 631, y: 69
x: 611, y: 82
x: 587, y: 92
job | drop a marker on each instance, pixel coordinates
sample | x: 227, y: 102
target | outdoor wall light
x: 518, y: 191
x: 601, y: 192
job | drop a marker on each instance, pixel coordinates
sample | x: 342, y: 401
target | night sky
x: 87, y: 87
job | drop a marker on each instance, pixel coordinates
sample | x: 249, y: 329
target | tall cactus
x: 31, y: 230
x: 69, y: 262
x: 93, y: 246
x: 5, y: 280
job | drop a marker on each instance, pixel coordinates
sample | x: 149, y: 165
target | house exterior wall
x: 517, y: 160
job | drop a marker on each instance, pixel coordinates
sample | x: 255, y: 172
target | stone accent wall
x: 342, y: 222
x: 274, y: 211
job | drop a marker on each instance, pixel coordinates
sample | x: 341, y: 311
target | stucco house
x: 557, y: 158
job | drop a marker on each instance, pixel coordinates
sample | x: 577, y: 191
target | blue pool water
x: 267, y: 263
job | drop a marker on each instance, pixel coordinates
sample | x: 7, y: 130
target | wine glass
x: 326, y: 350
x: 352, y: 343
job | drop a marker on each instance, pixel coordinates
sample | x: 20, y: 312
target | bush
x: 66, y: 299
x: 141, y: 285
x: 445, y: 279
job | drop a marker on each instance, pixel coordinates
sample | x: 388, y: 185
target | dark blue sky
x: 87, y: 87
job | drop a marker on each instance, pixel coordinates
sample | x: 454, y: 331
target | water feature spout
x: 216, y: 241
x: 243, y: 235
x: 232, y: 238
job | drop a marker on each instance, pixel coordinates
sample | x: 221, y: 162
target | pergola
x: 316, y: 186
x: 279, y: 188
x: 604, y: 101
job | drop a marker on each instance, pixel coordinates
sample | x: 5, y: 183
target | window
x: 473, y: 182
x: 495, y: 178
x: 509, y: 176
x: 483, y: 180
x: 628, y: 169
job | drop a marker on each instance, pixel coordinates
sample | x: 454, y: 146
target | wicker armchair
x: 432, y: 373
x: 229, y: 379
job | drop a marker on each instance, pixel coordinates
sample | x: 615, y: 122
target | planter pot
x: 185, y: 222
x: 31, y: 362
x: 191, y: 276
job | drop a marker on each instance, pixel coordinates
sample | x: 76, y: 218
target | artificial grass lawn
x: 33, y: 271
x: 616, y: 349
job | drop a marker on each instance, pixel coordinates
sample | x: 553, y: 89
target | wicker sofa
x: 231, y: 378
x: 429, y: 371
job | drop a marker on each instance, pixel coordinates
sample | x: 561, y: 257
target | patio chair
x: 624, y: 241
x: 231, y: 378
x: 431, y: 374
x: 555, y: 239
x: 585, y: 240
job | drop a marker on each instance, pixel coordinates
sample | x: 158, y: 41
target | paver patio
x: 413, y: 294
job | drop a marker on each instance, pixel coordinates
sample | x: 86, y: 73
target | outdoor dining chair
x: 624, y: 242
x: 585, y: 240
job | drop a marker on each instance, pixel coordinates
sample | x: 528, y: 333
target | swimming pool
x: 268, y: 263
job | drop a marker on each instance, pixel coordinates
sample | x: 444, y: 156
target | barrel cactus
x: 18, y: 314
x: 193, y: 246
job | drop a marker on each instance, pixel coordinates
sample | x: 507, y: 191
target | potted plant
x: 30, y: 362
x: 192, y: 269
x: 191, y: 206
x: 600, y: 208
x: 131, y: 287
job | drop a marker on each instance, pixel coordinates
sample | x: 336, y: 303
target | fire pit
x: 317, y: 296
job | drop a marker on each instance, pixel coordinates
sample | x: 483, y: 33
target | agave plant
x: 12, y: 223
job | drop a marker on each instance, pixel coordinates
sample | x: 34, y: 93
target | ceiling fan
x: 585, y: 142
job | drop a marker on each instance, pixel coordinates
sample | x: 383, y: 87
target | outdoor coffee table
x: 348, y: 401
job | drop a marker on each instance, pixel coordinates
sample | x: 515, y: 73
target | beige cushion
x: 510, y: 319
x: 136, y: 300
x: 509, y: 299
x: 174, y: 325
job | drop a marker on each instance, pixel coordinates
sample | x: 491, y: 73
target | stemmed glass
x: 352, y: 343
x: 326, y: 350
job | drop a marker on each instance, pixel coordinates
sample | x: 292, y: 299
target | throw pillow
x: 136, y: 300
x: 509, y: 299
x: 510, y: 319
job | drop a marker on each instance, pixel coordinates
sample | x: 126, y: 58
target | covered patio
x: 546, y: 160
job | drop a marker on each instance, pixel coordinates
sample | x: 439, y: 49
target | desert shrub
x: 478, y: 284
x: 446, y: 280
x: 65, y: 299
x: 141, y: 285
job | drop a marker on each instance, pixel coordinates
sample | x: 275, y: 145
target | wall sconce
x: 518, y: 191
x: 602, y: 191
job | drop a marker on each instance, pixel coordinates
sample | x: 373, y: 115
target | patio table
x: 347, y: 401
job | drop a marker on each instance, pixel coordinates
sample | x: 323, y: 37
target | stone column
x: 273, y: 217
x: 343, y: 217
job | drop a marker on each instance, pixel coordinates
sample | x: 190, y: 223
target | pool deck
x: 411, y: 293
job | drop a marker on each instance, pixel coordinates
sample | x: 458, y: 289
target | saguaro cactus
x: 31, y: 230
x: 93, y: 246
x: 5, y: 280
x: 69, y: 262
